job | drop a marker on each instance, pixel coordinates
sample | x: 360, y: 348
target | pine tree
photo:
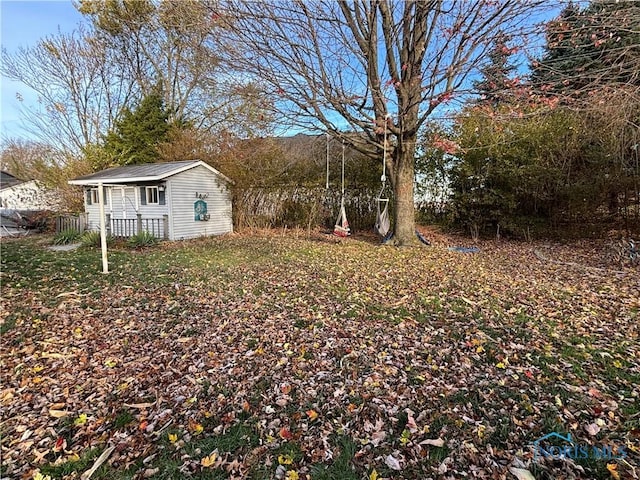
x: 137, y: 133
x: 496, y: 84
x: 587, y: 49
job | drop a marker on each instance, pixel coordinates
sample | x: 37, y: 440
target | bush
x: 92, y: 239
x: 142, y: 239
x: 66, y: 237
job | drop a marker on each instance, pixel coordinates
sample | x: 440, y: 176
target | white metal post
x: 103, y: 229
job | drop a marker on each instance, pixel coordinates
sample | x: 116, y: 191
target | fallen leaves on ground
x: 301, y: 353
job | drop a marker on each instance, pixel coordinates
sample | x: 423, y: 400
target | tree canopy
x: 589, y: 48
x: 138, y: 133
x: 379, y: 69
x: 560, y: 151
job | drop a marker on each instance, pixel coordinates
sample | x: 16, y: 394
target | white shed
x: 174, y: 200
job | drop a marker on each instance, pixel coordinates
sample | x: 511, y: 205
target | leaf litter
x: 429, y: 363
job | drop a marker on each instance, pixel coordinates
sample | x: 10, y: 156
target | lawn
x: 270, y: 356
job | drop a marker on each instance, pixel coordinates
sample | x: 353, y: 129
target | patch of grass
x: 301, y: 323
x: 438, y: 454
x: 500, y: 434
x: 236, y: 439
x: 8, y: 323
x: 68, y: 468
x: 289, y: 449
x: 191, y: 332
x: 342, y: 467
x: 122, y: 419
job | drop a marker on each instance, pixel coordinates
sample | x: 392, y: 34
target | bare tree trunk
x: 404, y: 232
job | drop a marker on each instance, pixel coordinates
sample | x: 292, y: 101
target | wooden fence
x: 78, y: 223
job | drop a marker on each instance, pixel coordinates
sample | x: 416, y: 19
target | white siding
x: 181, y: 195
x: 28, y: 196
x: 122, y: 206
x: 93, y: 212
x: 154, y: 210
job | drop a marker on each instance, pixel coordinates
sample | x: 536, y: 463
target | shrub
x: 142, y: 239
x: 92, y: 239
x: 66, y: 237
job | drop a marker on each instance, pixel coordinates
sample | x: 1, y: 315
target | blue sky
x: 23, y: 23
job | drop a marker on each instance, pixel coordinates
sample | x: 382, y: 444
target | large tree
x: 174, y: 43
x: 368, y: 70
x: 588, y: 49
x: 80, y: 87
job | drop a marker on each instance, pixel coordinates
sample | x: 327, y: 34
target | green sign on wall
x: 200, y: 210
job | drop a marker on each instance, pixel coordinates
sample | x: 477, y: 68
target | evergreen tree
x: 588, y: 49
x: 495, y: 84
x: 138, y: 133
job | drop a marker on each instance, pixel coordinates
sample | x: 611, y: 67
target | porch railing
x: 128, y: 227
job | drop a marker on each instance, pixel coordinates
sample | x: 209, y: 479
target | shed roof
x: 148, y: 172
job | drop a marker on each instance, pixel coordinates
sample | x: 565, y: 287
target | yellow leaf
x: 38, y: 476
x: 81, y: 420
x: 209, y: 460
x: 73, y: 457
x: 613, y: 470
x: 373, y: 475
x: 501, y: 365
x: 285, y: 459
x: 110, y: 363
x: 481, y: 430
x: 195, y: 427
x: 292, y: 475
x: 480, y: 349
x: 617, y: 363
x: 173, y: 438
x: 312, y: 414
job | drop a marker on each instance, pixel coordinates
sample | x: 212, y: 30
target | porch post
x: 165, y: 226
x: 139, y: 229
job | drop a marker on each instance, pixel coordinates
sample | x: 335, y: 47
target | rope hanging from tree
x: 341, y: 227
x: 383, y: 222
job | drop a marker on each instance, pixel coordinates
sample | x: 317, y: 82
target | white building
x: 175, y: 200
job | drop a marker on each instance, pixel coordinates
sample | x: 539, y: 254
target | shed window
x: 151, y: 195
x: 94, y: 196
